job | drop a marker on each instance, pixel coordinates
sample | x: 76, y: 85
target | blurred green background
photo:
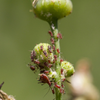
x: 20, y: 31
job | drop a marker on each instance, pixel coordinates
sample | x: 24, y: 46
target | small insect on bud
x: 57, y: 86
x: 41, y: 47
x: 49, y: 61
x: 61, y: 90
x: 45, y: 79
x: 54, y: 61
x: 53, y: 48
x: 61, y: 60
x: 51, y: 34
x: 62, y: 85
x: 62, y: 71
x: 45, y: 53
x: 46, y: 64
x: 53, y: 91
x: 59, y: 35
x: 55, y: 56
x: 33, y: 55
x: 63, y: 80
x: 49, y: 65
x: 46, y: 72
x: 58, y: 51
x: 52, y: 40
x: 36, y: 62
x: 49, y: 48
x: 31, y: 67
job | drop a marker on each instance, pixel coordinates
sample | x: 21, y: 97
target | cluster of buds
x: 46, y: 58
x: 43, y: 59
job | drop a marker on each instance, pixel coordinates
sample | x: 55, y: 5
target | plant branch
x: 54, y: 28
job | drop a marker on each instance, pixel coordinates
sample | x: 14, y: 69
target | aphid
x: 49, y: 65
x: 58, y: 51
x: 49, y: 48
x: 53, y: 48
x: 41, y: 47
x: 45, y: 79
x: 51, y: 34
x: 33, y: 55
x: 36, y: 62
x: 55, y: 56
x: 62, y: 85
x: 53, y: 91
x: 31, y: 67
x: 62, y: 71
x: 59, y: 35
x: 46, y: 72
x: 57, y: 85
x: 1, y: 84
x: 54, y: 61
x: 61, y: 60
x: 45, y: 53
x: 46, y: 64
x: 49, y: 61
x: 61, y: 90
x: 63, y: 80
x: 52, y: 40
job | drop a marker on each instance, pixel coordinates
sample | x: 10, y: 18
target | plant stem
x: 54, y: 28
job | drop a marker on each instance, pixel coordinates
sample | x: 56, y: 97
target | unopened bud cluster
x: 43, y: 59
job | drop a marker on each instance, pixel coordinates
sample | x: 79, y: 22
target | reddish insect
x: 63, y: 80
x: 54, y: 61
x: 59, y: 35
x: 49, y: 61
x: 41, y: 47
x: 53, y: 91
x: 46, y: 64
x: 55, y: 56
x: 33, y: 55
x: 58, y: 50
x: 36, y: 62
x: 52, y: 40
x: 51, y: 34
x: 53, y: 48
x: 62, y: 85
x: 45, y: 79
x: 31, y: 67
x: 57, y: 86
x: 62, y: 71
x: 49, y: 48
x: 49, y: 65
x: 45, y: 53
x: 61, y: 90
x: 61, y: 60
x: 46, y: 72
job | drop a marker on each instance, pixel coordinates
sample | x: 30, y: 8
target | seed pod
x: 52, y: 9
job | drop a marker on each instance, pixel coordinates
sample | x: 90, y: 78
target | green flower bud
x: 67, y: 68
x: 43, y: 54
x: 52, y: 9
